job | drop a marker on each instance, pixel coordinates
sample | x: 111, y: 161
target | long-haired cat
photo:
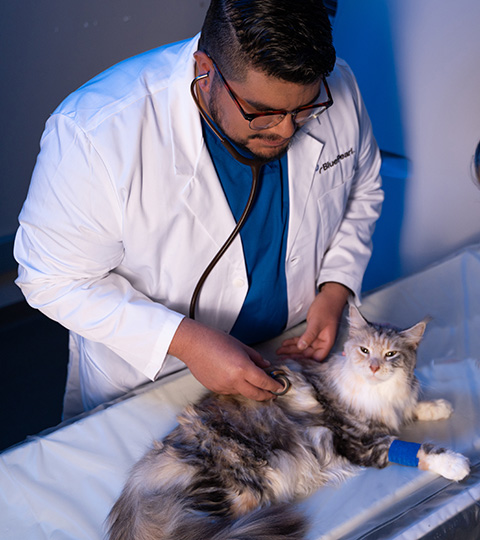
x: 230, y: 468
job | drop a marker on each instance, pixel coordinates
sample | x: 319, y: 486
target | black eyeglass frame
x: 282, y: 114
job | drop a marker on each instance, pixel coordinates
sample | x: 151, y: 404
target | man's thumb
x: 307, y: 338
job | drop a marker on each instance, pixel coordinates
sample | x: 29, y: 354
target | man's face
x: 258, y: 92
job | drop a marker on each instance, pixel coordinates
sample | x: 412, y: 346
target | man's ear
x: 203, y: 65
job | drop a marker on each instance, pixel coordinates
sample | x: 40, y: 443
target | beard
x: 271, y: 154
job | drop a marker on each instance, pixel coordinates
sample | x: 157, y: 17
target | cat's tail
x: 278, y: 522
x: 169, y: 521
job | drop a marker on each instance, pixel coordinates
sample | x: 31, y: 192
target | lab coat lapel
x: 202, y: 192
x: 205, y: 198
x: 303, y: 158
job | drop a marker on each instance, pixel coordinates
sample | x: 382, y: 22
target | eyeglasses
x: 269, y: 119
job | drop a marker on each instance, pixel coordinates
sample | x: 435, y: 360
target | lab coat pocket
x: 331, y: 207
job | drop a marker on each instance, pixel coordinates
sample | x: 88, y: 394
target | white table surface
x: 61, y: 484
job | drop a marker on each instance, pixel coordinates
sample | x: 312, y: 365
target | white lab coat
x: 125, y: 211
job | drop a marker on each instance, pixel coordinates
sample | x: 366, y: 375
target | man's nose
x: 286, y: 128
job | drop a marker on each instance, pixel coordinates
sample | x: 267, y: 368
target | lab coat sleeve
x: 70, y: 241
x: 349, y: 251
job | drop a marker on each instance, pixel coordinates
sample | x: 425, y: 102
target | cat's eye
x: 390, y: 354
x: 364, y: 350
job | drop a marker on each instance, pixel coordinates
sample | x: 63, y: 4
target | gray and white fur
x: 233, y: 466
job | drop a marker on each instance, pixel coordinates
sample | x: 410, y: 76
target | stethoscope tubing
x: 255, y: 165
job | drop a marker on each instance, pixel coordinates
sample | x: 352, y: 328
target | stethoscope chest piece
x: 280, y: 376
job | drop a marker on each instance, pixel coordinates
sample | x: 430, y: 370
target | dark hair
x: 287, y: 39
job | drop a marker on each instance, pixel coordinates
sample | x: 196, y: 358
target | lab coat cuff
x: 160, y: 350
x: 345, y: 280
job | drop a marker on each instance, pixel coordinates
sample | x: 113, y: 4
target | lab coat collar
x: 184, y: 118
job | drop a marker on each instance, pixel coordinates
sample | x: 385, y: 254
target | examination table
x: 62, y: 483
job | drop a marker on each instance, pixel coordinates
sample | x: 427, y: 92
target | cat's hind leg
x: 437, y: 409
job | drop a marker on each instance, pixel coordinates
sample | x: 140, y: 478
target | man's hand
x: 323, y: 319
x: 222, y: 363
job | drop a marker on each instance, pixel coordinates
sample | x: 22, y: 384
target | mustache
x: 270, y: 138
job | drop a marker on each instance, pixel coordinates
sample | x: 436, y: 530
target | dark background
x: 33, y: 368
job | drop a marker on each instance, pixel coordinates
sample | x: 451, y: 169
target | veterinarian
x: 133, y: 194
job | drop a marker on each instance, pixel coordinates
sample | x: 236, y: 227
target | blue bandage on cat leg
x: 404, y: 453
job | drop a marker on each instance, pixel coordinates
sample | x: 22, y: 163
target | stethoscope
x: 255, y: 165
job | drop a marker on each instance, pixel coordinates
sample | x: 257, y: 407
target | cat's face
x: 377, y: 353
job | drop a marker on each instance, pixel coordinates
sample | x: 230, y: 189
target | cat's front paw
x: 446, y: 463
x: 438, y: 409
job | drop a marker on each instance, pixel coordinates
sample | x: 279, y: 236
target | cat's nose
x: 374, y: 367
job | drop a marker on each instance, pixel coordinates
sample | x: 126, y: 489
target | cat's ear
x: 414, y: 335
x: 355, y: 318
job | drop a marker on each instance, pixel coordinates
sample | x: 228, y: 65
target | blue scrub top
x: 264, y: 237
